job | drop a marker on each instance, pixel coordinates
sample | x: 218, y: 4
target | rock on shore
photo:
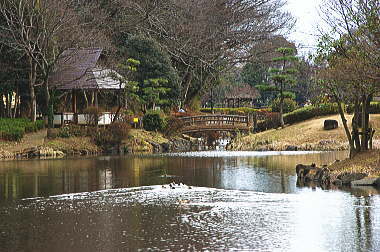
x: 324, y: 178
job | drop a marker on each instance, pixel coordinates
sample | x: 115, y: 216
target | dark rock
x: 291, y: 148
x: 377, y: 183
x: 330, y: 124
x: 165, y: 147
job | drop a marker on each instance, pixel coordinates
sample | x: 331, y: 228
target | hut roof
x: 243, y: 91
x: 76, y: 69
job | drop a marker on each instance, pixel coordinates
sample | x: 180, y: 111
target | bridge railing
x: 215, y: 120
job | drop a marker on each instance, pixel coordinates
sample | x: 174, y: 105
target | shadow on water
x: 238, y: 200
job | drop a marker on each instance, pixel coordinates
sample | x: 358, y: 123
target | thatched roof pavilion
x: 77, y: 69
x: 241, y: 94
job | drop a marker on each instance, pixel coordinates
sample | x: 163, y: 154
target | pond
x: 224, y: 201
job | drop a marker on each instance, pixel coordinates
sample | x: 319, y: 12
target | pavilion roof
x: 76, y: 69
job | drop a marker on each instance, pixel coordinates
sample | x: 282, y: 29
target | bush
x: 154, y: 120
x: 289, y: 105
x: 234, y: 111
x: 374, y: 108
x: 75, y: 131
x: 173, y: 126
x: 13, y: 129
x: 115, y: 134
x: 268, y: 120
x: 309, y: 112
x: 14, y: 134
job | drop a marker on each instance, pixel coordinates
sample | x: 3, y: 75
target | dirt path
x: 28, y: 141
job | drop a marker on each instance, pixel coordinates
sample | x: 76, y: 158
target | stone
x: 364, y: 182
x: 291, y: 148
x: 330, y: 124
x: 377, y: 183
x: 347, y: 178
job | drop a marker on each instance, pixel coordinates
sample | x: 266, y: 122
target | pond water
x: 228, y: 201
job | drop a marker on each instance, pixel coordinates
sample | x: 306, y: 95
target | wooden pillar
x: 74, y: 105
x: 96, y: 104
x: 74, y: 101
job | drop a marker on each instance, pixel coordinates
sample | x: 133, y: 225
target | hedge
x: 309, y: 112
x: 15, y: 129
x: 374, y: 108
x: 234, y: 111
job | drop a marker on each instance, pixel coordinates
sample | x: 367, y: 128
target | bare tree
x: 43, y: 31
x: 350, y: 63
x: 203, y: 37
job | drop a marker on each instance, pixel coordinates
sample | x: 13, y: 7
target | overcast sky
x: 306, y: 12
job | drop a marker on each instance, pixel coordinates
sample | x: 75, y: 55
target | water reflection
x: 152, y: 218
x: 228, y: 209
x: 254, y: 171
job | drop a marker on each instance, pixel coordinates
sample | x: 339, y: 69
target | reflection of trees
x: 363, y: 217
x: 52, y: 177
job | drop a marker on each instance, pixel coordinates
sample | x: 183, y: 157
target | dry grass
x: 366, y: 162
x: 28, y: 141
x: 140, y: 140
x: 307, y: 135
x: 73, y: 145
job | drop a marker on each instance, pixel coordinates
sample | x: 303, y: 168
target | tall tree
x: 158, y: 80
x: 349, y: 63
x: 256, y: 71
x: 42, y: 31
x: 205, y: 37
x: 283, y: 76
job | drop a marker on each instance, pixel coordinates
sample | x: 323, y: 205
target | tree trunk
x: 346, y: 129
x: 2, y: 107
x: 355, y: 126
x: 366, y: 99
x: 187, y: 81
x: 49, y: 106
x: 282, y: 106
x: 32, y: 81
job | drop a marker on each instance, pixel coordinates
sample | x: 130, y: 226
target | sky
x: 306, y: 33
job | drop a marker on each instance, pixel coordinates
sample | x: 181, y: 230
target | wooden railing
x: 214, y: 122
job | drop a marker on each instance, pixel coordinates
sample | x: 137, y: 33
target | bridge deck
x: 192, y: 124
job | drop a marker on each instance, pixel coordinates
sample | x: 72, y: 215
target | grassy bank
x: 137, y: 141
x: 366, y: 162
x: 306, y: 135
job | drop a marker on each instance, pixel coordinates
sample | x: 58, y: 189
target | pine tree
x: 283, y: 76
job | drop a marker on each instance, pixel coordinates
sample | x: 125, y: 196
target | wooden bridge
x: 202, y: 123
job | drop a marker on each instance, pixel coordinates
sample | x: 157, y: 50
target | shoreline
x: 38, y: 145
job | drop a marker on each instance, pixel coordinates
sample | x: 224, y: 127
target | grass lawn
x: 307, y: 135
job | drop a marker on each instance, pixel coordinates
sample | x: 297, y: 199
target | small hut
x: 241, y: 95
x: 77, y: 73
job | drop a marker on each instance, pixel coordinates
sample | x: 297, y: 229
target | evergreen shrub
x: 14, y: 129
x: 154, y: 121
x: 309, y: 112
x: 374, y: 108
x: 234, y: 111
x: 289, y: 105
